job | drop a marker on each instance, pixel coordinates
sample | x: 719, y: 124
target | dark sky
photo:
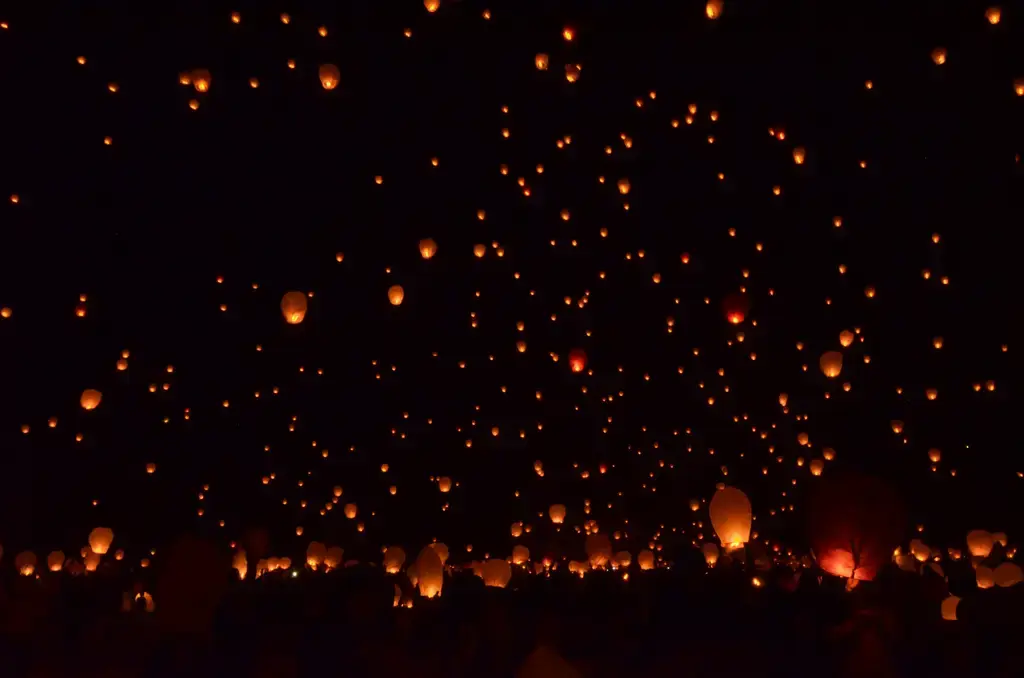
x: 266, y: 185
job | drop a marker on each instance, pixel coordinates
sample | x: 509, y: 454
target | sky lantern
x: 577, y: 360
x: 731, y: 516
x: 429, y: 573
x: 736, y: 306
x: 645, y: 559
x: 949, y: 606
x: 980, y: 543
x: 1008, y: 574
x: 330, y: 76
x: 520, y: 554
x: 396, y: 294
x: 444, y: 484
x: 856, y: 522
x: 428, y: 248
x: 993, y: 14
x: 939, y: 56
x: 516, y: 530
x: 55, y: 561
x: 572, y: 72
x: 441, y: 550
x: 541, y: 61
x: 394, y: 558
x: 496, y: 573
x: 624, y: 186
x: 799, y: 155
x: 710, y: 552
x: 25, y: 563
x: 316, y: 552
x: 599, y: 551
x: 831, y: 363
x: 846, y: 338
x: 432, y: 5
x: 817, y: 466
x: 350, y: 511
x: 293, y: 307
x: 201, y: 80
x: 713, y: 8
x: 557, y: 513
x: 90, y: 399
x: 100, y: 539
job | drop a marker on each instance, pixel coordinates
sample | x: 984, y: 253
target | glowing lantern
x: 429, y: 573
x: 714, y: 8
x: 394, y: 558
x: 55, y: 561
x: 694, y: 505
x: 599, y: 551
x: 557, y: 513
x: 315, y: 554
x: 1008, y: 574
x: 799, y: 154
x: 520, y: 555
x: 516, y: 530
x: 335, y: 556
x: 985, y: 577
x: 329, y: 76
x: 90, y: 399
x: 201, y: 80
x: 980, y: 543
x: 479, y: 250
x: 939, y: 56
x: 817, y: 466
x: 623, y: 559
x: 431, y: 5
x: 441, y: 550
x: 783, y: 399
x: 293, y: 307
x: 949, y: 608
x: 710, y: 552
x: 496, y: 573
x: 444, y: 484
x: 846, y: 338
x: 100, y: 540
x: 577, y: 359
x: 736, y: 307
x: 645, y: 559
x: 428, y: 248
x: 395, y: 295
x: 897, y: 426
x: 25, y: 563
x: 993, y: 14
x: 350, y: 511
x: 541, y: 62
x: 831, y: 363
x: 731, y: 516
x: 934, y: 455
x: 855, y: 524
x: 572, y: 72
x: 624, y: 186
x: 240, y: 563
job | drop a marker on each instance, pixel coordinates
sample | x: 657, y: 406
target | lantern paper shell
x: 731, y: 516
x: 980, y: 543
x: 394, y: 558
x: 90, y: 399
x: 100, y: 540
x: 396, y: 294
x: 329, y: 76
x: 831, y: 363
x: 736, y: 307
x: 293, y: 307
x: 856, y: 522
x: 496, y: 573
x: 429, y: 573
x: 577, y: 360
x: 557, y: 513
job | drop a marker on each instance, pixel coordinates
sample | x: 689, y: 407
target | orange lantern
x: 736, y: 307
x: 731, y: 516
x: 428, y: 248
x: 90, y: 399
x: 396, y: 294
x: 557, y: 513
x: 577, y: 360
x: 831, y: 363
x: 293, y: 307
x: 330, y: 76
x: 100, y: 540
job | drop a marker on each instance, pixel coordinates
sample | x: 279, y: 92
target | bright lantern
x: 293, y: 307
x: 831, y: 363
x: 577, y: 360
x: 731, y: 516
x: 90, y: 399
x: 329, y: 76
x: 428, y: 248
x: 396, y: 294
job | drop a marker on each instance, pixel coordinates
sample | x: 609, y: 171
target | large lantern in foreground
x: 396, y: 294
x: 736, y: 306
x: 577, y: 359
x: 100, y: 540
x: 831, y: 363
x: 429, y: 573
x: 731, y: 516
x: 855, y: 524
x: 329, y: 76
x: 90, y: 399
x: 293, y: 307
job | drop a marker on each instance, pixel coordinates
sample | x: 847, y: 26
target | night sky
x: 177, y: 240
